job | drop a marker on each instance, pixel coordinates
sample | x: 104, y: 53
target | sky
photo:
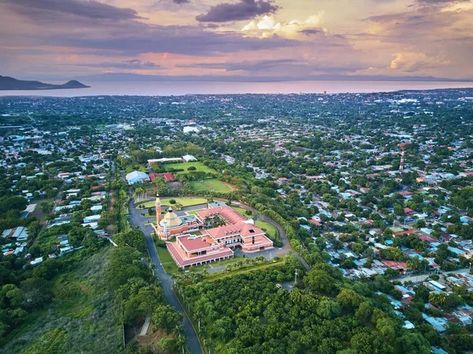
x: 237, y: 40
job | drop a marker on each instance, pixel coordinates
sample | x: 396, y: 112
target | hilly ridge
x: 10, y: 83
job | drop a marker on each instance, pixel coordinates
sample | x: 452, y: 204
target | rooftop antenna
x: 403, y: 147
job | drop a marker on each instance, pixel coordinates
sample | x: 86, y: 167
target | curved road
x: 165, y: 279
x: 286, y: 248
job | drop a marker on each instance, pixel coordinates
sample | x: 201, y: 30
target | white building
x: 188, y: 158
x: 190, y: 129
x: 136, y: 177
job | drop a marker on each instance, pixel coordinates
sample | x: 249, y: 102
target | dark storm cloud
x: 87, y: 9
x: 140, y: 38
x: 242, y: 10
x: 180, y: 2
x: 126, y: 37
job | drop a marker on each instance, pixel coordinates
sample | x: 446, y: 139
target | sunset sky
x: 237, y: 40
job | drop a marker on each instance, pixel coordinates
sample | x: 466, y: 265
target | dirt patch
x: 175, y: 186
x: 151, y: 340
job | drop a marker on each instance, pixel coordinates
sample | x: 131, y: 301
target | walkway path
x: 165, y: 279
x: 145, y: 327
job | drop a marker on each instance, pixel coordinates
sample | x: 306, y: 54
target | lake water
x: 165, y: 88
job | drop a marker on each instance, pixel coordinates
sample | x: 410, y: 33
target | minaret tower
x: 158, y: 210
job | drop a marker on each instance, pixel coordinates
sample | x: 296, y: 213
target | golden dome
x: 171, y: 220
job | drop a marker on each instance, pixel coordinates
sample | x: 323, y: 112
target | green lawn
x: 135, y: 167
x: 267, y: 227
x: 211, y: 185
x: 241, y: 211
x: 184, y: 201
x: 200, y: 167
x: 223, y: 262
x: 245, y: 269
x: 270, y: 229
x: 166, y: 260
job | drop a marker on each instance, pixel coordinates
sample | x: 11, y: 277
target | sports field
x: 211, y: 185
x: 199, y: 167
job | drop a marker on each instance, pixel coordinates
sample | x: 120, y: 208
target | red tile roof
x: 405, y: 232
x: 408, y: 211
x: 249, y: 230
x: 230, y: 215
x: 252, y: 238
x: 395, y: 265
x: 222, y: 231
x: 315, y: 222
x: 153, y: 176
x: 167, y: 176
x: 176, y: 255
x: 192, y: 243
x: 426, y: 238
x: 241, y: 228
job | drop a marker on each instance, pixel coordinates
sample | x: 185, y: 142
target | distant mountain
x: 9, y: 83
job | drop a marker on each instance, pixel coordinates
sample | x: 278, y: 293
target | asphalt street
x: 165, y: 279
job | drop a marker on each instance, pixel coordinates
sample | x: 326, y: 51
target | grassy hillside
x: 83, y: 317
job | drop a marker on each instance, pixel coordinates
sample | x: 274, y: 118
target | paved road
x: 421, y: 277
x: 165, y: 279
x: 286, y: 248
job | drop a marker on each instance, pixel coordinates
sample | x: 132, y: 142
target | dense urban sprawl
x: 367, y: 199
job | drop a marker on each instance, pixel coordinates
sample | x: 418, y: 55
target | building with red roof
x: 426, y: 238
x: 315, y: 221
x: 395, y: 265
x: 190, y: 250
x: 167, y: 176
x: 217, y: 243
x: 408, y: 232
x: 230, y: 215
x: 408, y: 211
